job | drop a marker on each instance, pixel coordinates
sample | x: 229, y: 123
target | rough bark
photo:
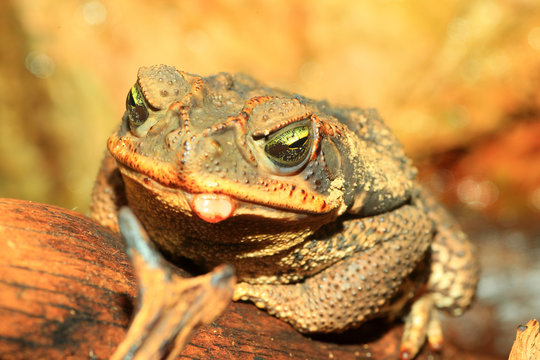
x: 67, y: 290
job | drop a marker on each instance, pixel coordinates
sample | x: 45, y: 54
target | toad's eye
x: 289, y: 149
x: 136, y: 106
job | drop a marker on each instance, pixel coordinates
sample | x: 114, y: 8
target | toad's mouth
x: 214, y: 198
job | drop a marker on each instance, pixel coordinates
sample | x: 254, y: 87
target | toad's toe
x: 422, y: 322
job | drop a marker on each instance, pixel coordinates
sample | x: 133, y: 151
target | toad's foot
x: 421, y: 323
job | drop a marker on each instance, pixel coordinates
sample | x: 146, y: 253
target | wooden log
x: 527, y: 343
x: 67, y: 290
x: 66, y: 285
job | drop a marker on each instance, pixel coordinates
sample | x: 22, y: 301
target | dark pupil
x: 298, y: 143
x: 130, y: 100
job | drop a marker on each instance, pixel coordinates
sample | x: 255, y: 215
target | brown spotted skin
x: 344, y: 238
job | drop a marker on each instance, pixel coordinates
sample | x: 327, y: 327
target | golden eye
x: 289, y: 148
x: 136, y: 106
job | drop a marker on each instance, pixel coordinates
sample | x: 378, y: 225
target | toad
x: 316, y: 206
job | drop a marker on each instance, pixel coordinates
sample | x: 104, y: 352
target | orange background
x: 457, y: 80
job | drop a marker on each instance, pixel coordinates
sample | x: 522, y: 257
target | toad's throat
x: 268, y: 192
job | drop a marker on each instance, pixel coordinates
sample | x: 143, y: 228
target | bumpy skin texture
x: 342, y: 235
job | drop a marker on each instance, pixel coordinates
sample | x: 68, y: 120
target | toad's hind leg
x: 345, y: 294
x: 454, y: 270
x: 451, y: 285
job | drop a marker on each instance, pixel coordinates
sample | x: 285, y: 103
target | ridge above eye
x: 289, y: 148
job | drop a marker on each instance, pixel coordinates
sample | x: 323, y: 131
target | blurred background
x: 457, y: 80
